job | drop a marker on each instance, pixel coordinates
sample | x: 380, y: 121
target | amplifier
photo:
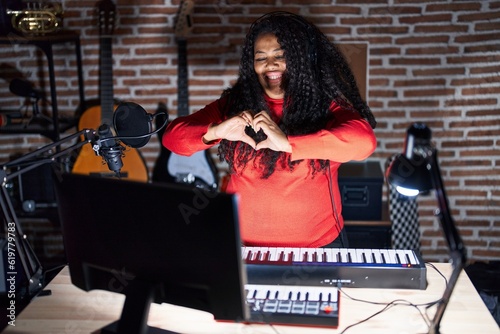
x: 360, y: 185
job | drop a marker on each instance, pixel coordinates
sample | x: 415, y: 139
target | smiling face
x: 269, y: 64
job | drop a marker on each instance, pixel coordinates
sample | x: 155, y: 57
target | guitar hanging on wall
x: 134, y: 166
x: 199, y: 168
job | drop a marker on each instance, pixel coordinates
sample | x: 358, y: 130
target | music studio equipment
x: 134, y: 165
x: 360, y: 185
x: 294, y: 305
x: 198, y: 169
x: 346, y: 267
x: 24, y: 88
x: 27, y: 269
x: 133, y: 127
x: 17, y: 252
x: 417, y: 171
x: 110, y: 149
x: 98, y: 237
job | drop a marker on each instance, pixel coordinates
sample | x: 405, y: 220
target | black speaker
x: 33, y: 190
x: 367, y: 236
x: 37, y: 189
x: 360, y: 185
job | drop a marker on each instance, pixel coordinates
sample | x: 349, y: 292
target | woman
x: 293, y: 116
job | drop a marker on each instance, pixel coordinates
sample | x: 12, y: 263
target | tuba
x: 38, y: 18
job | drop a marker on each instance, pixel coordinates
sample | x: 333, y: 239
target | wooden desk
x: 71, y: 310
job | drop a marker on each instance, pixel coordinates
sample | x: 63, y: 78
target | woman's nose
x: 271, y: 62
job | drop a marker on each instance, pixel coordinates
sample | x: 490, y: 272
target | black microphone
x: 110, y: 149
x: 24, y: 88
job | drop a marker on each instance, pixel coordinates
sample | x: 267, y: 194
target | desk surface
x: 71, y: 310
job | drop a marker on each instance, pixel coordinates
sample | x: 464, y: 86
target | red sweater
x: 290, y: 208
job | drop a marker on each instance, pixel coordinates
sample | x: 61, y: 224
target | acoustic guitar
x: 134, y: 165
x: 198, y: 169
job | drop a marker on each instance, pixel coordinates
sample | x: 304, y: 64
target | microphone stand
x: 18, y: 246
x: 457, y: 249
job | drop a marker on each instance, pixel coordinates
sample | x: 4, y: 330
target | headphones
x: 309, y: 28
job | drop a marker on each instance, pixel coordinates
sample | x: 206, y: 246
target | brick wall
x: 436, y: 62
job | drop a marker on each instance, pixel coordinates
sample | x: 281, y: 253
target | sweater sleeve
x: 347, y: 137
x: 184, y: 134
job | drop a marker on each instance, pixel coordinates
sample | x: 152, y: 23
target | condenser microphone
x: 110, y: 149
x: 132, y: 124
x: 24, y: 88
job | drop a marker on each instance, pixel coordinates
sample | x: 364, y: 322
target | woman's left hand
x: 276, y: 139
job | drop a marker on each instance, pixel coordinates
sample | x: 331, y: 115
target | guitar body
x: 198, y: 169
x: 87, y: 162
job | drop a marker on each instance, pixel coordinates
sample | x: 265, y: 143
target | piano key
x: 363, y: 257
x: 401, y: 257
x: 295, y: 255
x: 327, y: 255
x: 385, y: 256
x: 246, y: 253
x: 288, y: 255
x: 343, y: 255
x: 261, y: 293
x: 283, y: 293
x: 392, y: 256
x: 313, y: 294
x: 377, y: 257
x: 411, y: 256
x: 251, y: 292
x: 272, y: 254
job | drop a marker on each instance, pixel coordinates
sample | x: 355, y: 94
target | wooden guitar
x: 134, y: 166
x: 199, y: 168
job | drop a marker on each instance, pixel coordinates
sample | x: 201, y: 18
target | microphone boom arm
x: 16, y: 240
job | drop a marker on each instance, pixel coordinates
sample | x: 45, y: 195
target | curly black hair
x: 316, y: 74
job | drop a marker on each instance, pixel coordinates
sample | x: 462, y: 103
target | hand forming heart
x: 258, y: 131
x: 265, y: 132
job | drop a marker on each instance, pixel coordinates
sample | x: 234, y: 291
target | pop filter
x: 132, y: 121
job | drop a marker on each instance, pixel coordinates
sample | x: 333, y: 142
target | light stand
x: 414, y: 169
x: 18, y: 247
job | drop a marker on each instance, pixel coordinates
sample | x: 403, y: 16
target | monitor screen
x: 153, y: 242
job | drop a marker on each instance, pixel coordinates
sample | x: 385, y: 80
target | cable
x: 334, y: 207
x: 396, y: 302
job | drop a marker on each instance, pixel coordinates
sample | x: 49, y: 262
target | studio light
x: 414, y: 171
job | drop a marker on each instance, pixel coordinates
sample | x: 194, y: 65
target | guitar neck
x: 106, y: 80
x: 182, y: 79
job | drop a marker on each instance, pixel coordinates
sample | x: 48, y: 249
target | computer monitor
x: 153, y: 242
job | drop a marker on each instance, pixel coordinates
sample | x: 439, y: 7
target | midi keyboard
x: 293, y: 305
x: 345, y: 267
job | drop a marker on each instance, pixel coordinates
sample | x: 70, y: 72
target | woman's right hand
x: 232, y: 129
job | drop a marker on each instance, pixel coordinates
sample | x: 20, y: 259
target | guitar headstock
x: 107, y: 15
x: 183, y: 23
